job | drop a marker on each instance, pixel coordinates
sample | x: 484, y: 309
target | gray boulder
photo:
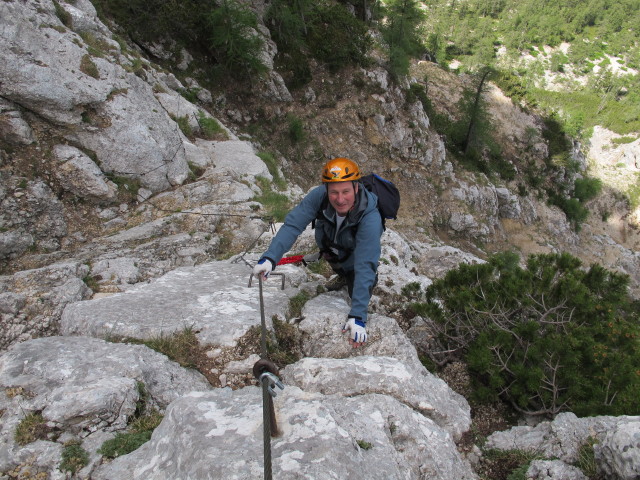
x: 618, y: 454
x: 213, y: 298
x: 554, y: 470
x: 82, y: 386
x: 78, y: 174
x: 386, y: 359
x: 321, y: 437
x: 563, y: 437
x: 34, y: 300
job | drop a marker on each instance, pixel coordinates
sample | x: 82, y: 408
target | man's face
x: 342, y: 196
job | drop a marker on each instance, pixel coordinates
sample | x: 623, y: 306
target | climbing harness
x: 266, y: 372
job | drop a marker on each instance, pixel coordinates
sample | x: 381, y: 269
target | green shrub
x: 91, y: 282
x: 127, y: 186
x: 210, y: 127
x: 147, y: 422
x: 284, y: 347
x: 185, y: 126
x: 232, y: 36
x: 31, y: 428
x: 224, y: 32
x: 336, y: 37
x: 296, y: 129
x: 364, y: 445
x: 623, y: 140
x: 586, y: 458
x: 74, y: 458
x: 142, y: 425
x: 587, y: 188
x: 190, y: 94
x: 88, y: 67
x: 550, y: 337
x: 297, y: 302
x: 123, y: 443
x: 276, y: 204
x: 272, y: 164
x: 195, y: 171
x: 181, y: 346
x: 633, y: 194
x: 64, y: 16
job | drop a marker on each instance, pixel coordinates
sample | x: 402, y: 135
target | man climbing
x: 348, y: 229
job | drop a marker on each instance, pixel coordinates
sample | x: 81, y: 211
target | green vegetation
x: 88, y: 67
x: 210, y: 127
x: 233, y: 38
x: 124, y: 443
x: 272, y: 164
x: 64, y: 16
x: 195, y: 171
x: 185, y: 127
x: 142, y: 425
x: 336, y: 37
x: 127, y: 187
x: 403, y: 31
x: 550, y: 337
x: 74, y: 457
x: 514, y: 462
x: 276, y: 204
x: 284, y: 346
x: 181, y: 346
x: 224, y: 32
x: 296, y: 129
x: 597, y: 30
x: 325, y: 31
x: 586, y: 458
x: 633, y: 193
x: 91, y: 282
x: 297, y: 302
x: 31, y: 428
x: 364, y: 445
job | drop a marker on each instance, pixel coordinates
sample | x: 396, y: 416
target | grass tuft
x: 31, y: 428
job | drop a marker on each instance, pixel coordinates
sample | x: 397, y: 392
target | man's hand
x: 263, y: 268
x: 357, y: 332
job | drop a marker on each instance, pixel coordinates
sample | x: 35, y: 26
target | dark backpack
x: 387, y: 193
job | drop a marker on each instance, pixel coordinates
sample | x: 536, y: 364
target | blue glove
x: 357, y: 331
x: 263, y: 268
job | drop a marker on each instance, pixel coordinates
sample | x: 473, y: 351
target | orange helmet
x: 340, y: 170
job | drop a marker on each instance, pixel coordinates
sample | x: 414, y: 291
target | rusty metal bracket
x: 272, y: 273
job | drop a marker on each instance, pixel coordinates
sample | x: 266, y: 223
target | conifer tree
x: 402, y: 32
x: 550, y: 337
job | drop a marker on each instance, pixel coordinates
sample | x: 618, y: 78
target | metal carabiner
x: 273, y: 382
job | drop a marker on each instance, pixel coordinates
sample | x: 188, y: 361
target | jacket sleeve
x: 294, y: 224
x: 365, y: 262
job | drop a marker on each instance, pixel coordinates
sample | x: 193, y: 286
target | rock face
x: 83, y: 387
x: 615, y: 449
x: 213, y: 299
x: 322, y: 437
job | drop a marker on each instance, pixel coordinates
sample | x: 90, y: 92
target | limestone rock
x: 554, y: 470
x: 213, y: 299
x: 322, y: 437
x: 618, y: 454
x: 83, y: 385
x: 78, y: 174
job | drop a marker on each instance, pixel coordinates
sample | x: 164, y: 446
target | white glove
x: 357, y: 331
x: 263, y: 268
